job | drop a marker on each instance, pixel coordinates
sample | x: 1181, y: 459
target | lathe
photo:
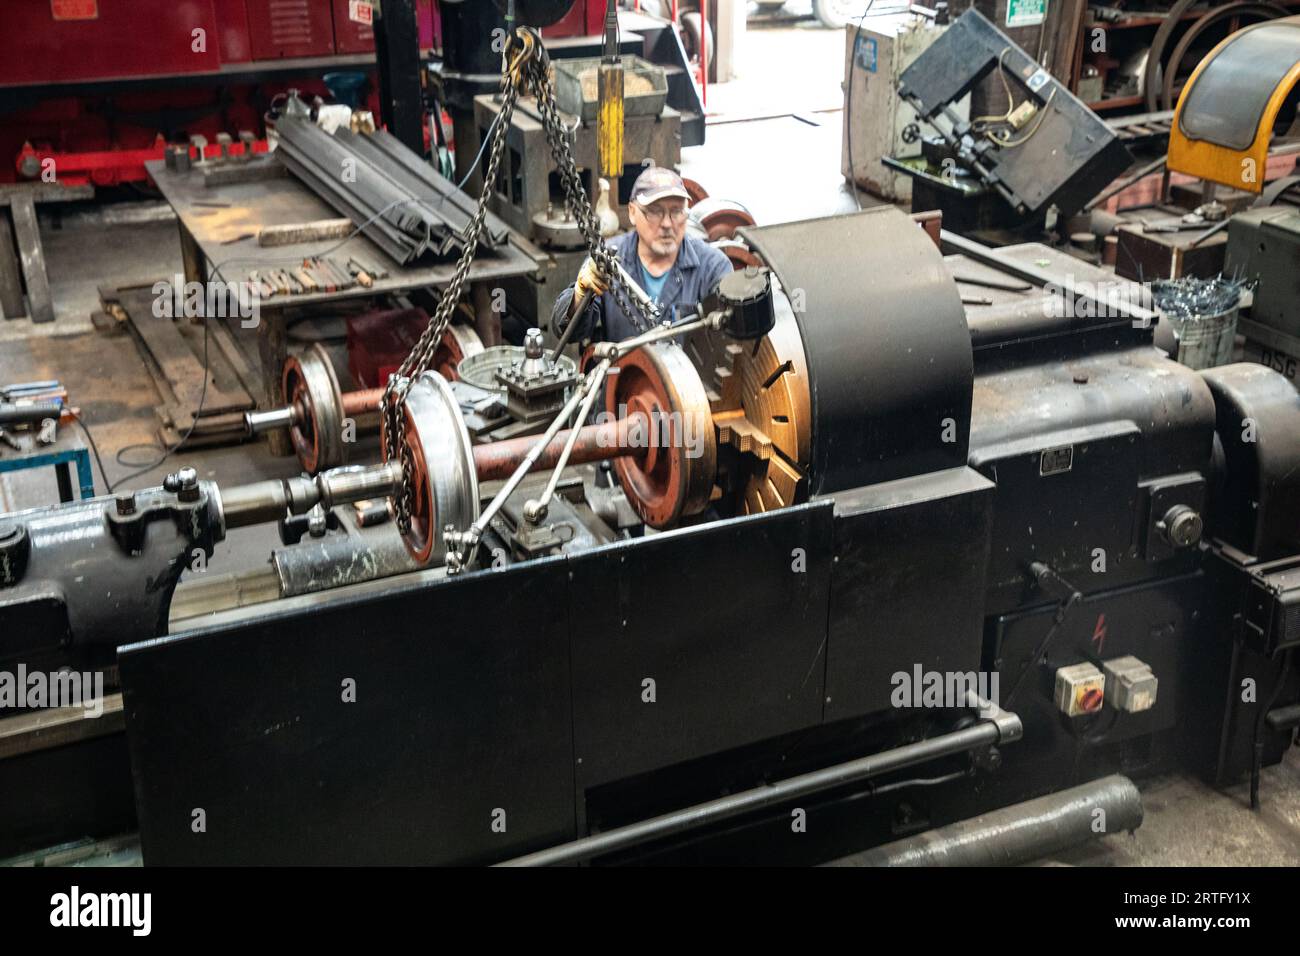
x: 690, y: 651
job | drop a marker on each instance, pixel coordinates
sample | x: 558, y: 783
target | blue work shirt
x: 699, y: 267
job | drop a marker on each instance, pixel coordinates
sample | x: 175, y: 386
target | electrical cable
x: 1011, y: 103
x: 166, y: 451
x: 1038, y: 122
x: 848, y: 109
x: 875, y: 790
x: 1003, y: 140
x: 1063, y: 609
x: 918, y: 782
x: 1097, y: 731
x: 90, y: 440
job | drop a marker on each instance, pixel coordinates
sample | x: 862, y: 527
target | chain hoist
x: 527, y: 70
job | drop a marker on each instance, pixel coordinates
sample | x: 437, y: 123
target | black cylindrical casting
x: 1018, y: 833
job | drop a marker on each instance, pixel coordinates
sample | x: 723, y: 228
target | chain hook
x: 527, y: 40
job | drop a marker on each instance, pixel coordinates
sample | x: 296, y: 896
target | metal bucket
x: 572, y: 97
x: 1203, y: 316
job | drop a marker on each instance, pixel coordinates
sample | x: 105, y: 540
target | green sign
x: 1026, y: 13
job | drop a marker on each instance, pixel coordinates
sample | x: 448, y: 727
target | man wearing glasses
x: 676, y: 270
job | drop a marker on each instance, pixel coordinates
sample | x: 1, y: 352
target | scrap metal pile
x: 394, y: 197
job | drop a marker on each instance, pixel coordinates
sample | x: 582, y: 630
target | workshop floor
x: 773, y: 139
x: 781, y: 167
x: 104, y: 374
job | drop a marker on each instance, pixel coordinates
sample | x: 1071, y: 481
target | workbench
x: 219, y: 225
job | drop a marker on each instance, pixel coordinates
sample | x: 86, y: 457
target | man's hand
x: 589, y: 281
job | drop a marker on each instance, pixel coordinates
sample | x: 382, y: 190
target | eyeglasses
x: 655, y: 214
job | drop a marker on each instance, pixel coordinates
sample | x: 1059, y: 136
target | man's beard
x: 664, y: 245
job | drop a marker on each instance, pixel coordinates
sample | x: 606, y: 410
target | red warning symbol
x: 1099, y: 633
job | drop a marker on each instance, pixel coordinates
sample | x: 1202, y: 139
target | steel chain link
x: 577, y: 200
x: 531, y: 71
x: 421, y: 354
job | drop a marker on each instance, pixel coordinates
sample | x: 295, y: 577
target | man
x: 673, y: 268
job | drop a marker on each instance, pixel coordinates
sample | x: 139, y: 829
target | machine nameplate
x: 1056, y: 461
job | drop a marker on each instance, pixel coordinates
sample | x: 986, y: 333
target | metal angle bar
x: 372, y: 196
x: 395, y: 243
x: 357, y: 204
x: 385, y: 143
x: 313, y: 164
x: 393, y: 166
x: 406, y: 169
x: 389, y: 178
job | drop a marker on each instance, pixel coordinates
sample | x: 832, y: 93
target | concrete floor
x: 1188, y: 823
x: 786, y: 68
x: 774, y: 138
x: 783, y: 169
x: 104, y: 374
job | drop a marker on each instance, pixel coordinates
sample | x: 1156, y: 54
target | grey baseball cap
x: 657, y: 183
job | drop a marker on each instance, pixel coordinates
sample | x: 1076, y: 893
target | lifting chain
x: 527, y: 70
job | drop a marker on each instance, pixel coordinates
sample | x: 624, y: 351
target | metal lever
x: 572, y: 324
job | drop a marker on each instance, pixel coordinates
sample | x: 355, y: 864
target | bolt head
x: 187, y: 481
x: 1182, y: 526
x: 125, y: 503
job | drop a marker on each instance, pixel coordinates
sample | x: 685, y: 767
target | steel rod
x: 537, y: 508
x: 984, y: 733
x: 573, y: 324
x: 658, y: 334
x: 272, y: 419
x: 1145, y: 170
x: 264, y: 501
x: 362, y: 402
x: 635, y: 288
x: 1027, y: 272
x: 497, y: 460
